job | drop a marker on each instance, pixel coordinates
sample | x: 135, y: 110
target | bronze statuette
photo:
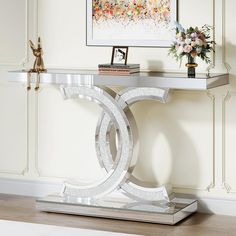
x: 38, y: 63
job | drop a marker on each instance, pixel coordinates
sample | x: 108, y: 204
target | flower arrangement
x: 192, y: 42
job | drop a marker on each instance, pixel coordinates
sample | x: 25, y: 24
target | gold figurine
x: 38, y: 52
x: 38, y: 63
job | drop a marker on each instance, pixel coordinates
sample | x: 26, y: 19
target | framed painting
x: 131, y: 22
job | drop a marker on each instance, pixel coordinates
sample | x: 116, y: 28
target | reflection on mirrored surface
x: 140, y: 74
x: 142, y: 79
x: 172, y: 207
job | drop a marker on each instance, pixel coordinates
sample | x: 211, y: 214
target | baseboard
x: 29, y: 187
x: 217, y: 206
x: 42, y: 188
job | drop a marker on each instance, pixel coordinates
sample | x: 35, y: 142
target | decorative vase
x: 191, y: 66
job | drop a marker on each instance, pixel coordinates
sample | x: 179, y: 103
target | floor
x: 18, y: 208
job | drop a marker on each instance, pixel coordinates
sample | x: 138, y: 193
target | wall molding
x: 225, y: 63
x: 220, y: 36
x: 31, y: 6
x: 25, y: 59
x: 225, y: 182
x: 213, y: 54
x: 22, y: 171
x: 210, y: 185
x: 225, y: 98
x: 36, y: 137
x: 213, y: 171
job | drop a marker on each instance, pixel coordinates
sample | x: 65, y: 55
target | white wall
x: 13, y: 102
x: 188, y: 142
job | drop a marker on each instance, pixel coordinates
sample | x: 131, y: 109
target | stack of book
x: 118, y: 69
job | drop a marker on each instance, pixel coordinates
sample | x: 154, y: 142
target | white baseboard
x: 28, y: 187
x: 217, y: 206
x: 40, y: 188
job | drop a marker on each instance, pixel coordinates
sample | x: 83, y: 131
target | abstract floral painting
x: 131, y: 22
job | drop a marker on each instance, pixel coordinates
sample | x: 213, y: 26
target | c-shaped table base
x: 117, y: 150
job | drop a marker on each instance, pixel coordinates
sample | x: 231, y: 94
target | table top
x: 142, y: 79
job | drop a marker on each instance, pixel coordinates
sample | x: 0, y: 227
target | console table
x: 116, y: 141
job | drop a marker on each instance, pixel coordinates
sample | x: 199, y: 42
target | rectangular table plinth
x: 113, y: 208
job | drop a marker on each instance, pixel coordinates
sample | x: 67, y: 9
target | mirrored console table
x: 145, y: 79
x: 116, y: 141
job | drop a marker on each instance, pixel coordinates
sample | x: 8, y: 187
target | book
x: 133, y: 70
x: 117, y: 70
x: 128, y: 66
x: 116, y: 73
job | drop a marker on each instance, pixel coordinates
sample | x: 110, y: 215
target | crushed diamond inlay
x: 119, y: 173
x: 133, y: 187
x: 116, y: 142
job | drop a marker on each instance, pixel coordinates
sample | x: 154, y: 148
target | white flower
x: 180, y: 42
x: 199, y: 42
x: 179, y: 35
x: 199, y: 50
x: 194, y: 43
x: 194, y: 35
x: 188, y: 48
x: 188, y: 41
x: 180, y: 50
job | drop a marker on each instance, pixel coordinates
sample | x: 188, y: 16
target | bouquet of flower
x: 192, y: 42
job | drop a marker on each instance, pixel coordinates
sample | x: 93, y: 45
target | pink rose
x: 188, y: 48
x: 194, y: 35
